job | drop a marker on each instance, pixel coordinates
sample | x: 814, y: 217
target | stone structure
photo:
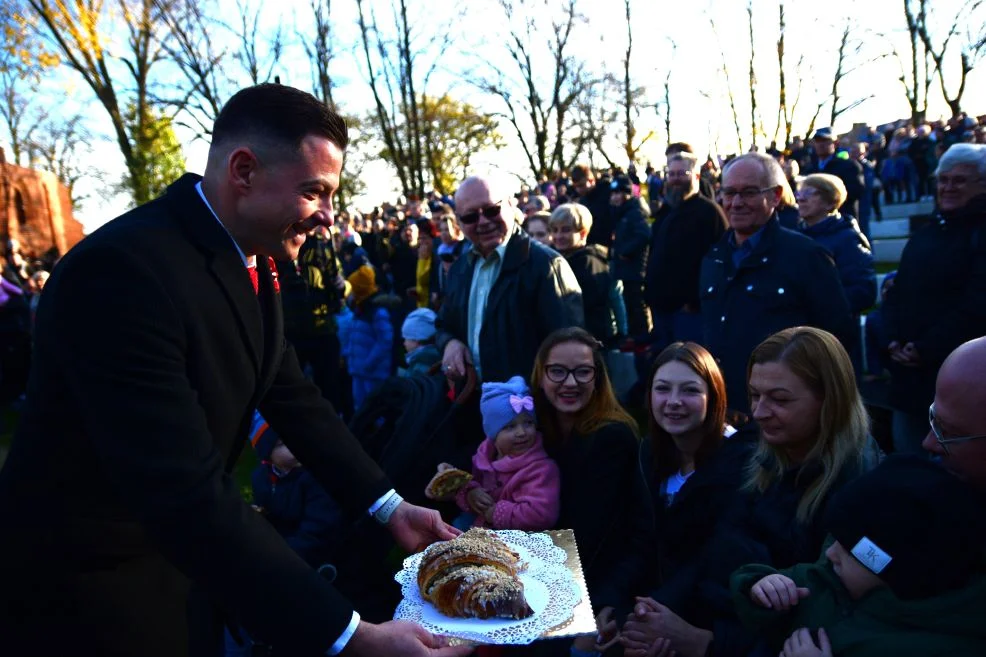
x: 35, y: 210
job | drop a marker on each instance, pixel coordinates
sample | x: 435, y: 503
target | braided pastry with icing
x: 473, y: 575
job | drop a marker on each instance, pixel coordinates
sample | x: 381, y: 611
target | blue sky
x: 700, y: 109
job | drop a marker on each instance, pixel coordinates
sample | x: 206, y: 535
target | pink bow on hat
x: 521, y: 404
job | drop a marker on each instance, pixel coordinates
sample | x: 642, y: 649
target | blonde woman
x: 569, y: 226
x: 819, y: 198
x: 813, y: 436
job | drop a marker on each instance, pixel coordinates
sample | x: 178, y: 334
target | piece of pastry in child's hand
x: 446, y: 483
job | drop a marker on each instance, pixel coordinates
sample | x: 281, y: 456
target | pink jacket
x: 525, y: 488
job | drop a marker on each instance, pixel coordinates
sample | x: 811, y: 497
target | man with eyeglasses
x: 958, y: 424
x: 761, y: 278
x: 938, y: 300
x: 505, y: 294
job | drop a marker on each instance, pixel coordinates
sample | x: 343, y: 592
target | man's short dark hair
x: 581, y: 172
x: 279, y: 115
x: 678, y: 147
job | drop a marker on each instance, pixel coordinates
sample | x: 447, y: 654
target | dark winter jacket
x: 762, y: 527
x: 683, y: 530
x: 591, y: 268
x: 604, y: 500
x: 877, y: 624
x: 853, y: 258
x: 300, y: 510
x: 534, y: 294
x: 938, y: 300
x: 680, y: 237
x: 631, y: 236
x: 597, y: 201
x: 787, y: 280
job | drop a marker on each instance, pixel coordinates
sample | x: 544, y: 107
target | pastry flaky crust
x: 447, y: 483
x: 474, y: 575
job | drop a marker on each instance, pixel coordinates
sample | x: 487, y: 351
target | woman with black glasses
x: 594, y: 442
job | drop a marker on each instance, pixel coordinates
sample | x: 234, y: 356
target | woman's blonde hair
x: 830, y: 188
x: 819, y: 360
x: 602, y: 409
x: 575, y: 214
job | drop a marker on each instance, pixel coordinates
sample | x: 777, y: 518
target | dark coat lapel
x: 222, y: 260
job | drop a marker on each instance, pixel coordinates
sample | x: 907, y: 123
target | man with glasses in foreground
x: 958, y: 424
x: 761, y: 278
x: 507, y: 292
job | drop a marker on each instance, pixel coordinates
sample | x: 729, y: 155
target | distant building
x: 35, y: 210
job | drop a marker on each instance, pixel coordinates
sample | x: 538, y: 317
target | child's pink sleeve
x: 534, y: 503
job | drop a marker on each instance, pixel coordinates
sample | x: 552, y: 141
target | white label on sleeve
x: 871, y: 556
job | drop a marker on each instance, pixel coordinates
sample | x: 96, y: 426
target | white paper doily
x: 548, y: 586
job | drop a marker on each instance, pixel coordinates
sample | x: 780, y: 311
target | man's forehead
x: 742, y: 173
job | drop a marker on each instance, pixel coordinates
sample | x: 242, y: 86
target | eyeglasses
x: 804, y: 195
x: 559, y: 373
x: 747, y: 193
x: 955, y: 181
x: 940, y: 436
x: 490, y: 212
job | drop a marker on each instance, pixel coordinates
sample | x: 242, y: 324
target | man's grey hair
x: 958, y: 154
x: 688, y: 158
x: 773, y: 174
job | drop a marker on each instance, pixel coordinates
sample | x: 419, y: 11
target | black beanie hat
x: 915, y: 525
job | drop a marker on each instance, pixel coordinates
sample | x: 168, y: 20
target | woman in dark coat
x: 813, y: 435
x: 569, y: 226
x: 594, y: 442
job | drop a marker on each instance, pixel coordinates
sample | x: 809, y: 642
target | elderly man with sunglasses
x: 957, y: 435
x: 507, y: 292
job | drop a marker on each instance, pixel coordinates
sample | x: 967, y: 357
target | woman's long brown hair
x: 667, y: 457
x: 603, y: 407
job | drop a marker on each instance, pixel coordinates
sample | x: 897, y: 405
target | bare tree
x: 753, y: 77
x: 729, y: 85
x: 915, y: 83
x: 666, y: 97
x: 391, y: 74
x: 60, y: 147
x: 541, y: 121
x: 851, y: 59
x: 782, y: 109
x: 632, y: 97
x: 320, y: 50
x: 199, y: 96
x: 258, y: 63
x: 971, y: 48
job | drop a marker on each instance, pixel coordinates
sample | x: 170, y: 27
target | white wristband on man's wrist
x: 387, y: 509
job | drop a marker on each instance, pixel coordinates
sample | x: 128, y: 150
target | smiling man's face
x: 485, y: 233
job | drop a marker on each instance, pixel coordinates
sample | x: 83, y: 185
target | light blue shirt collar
x: 248, y: 261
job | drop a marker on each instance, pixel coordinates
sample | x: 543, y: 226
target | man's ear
x: 242, y: 166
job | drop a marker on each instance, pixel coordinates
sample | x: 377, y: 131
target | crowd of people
x: 751, y: 512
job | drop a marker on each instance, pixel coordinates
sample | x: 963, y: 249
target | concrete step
x: 889, y: 228
x: 888, y: 249
x: 906, y: 210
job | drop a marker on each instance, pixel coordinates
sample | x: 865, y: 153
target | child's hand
x: 607, y: 634
x: 800, y: 644
x: 479, y: 501
x: 777, y: 592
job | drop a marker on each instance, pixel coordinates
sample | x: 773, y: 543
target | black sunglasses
x: 490, y: 212
x: 447, y: 257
